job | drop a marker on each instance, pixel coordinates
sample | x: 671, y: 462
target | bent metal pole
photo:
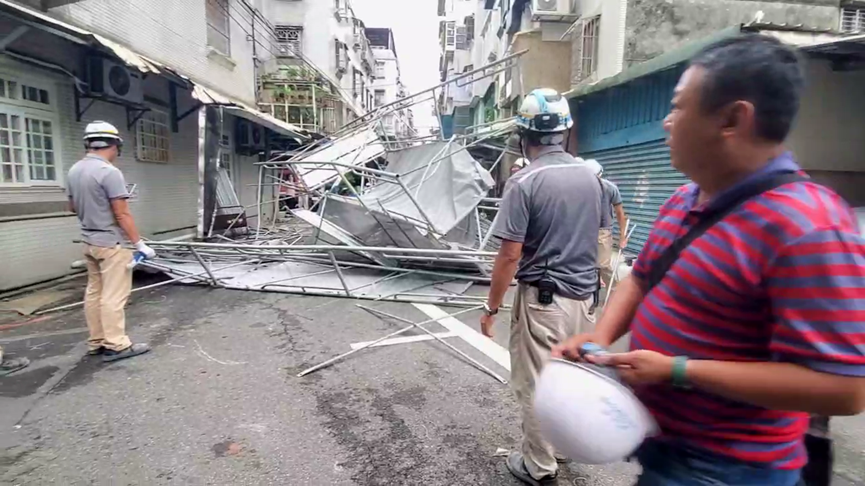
x: 372, y: 343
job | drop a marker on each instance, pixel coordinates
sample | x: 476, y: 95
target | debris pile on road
x: 362, y: 214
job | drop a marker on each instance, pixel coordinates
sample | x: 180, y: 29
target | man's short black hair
x: 758, y: 69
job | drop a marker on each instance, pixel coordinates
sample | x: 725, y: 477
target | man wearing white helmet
x: 98, y: 196
x: 548, y: 223
x: 612, y: 201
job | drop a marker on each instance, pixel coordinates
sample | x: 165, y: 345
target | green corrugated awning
x: 660, y: 63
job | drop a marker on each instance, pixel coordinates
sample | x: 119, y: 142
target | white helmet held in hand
x: 587, y: 415
x: 545, y: 110
x: 100, y: 134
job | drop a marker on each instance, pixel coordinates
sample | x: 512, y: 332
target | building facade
x: 477, y: 32
x: 387, y: 82
x: 177, y: 79
x: 323, y: 71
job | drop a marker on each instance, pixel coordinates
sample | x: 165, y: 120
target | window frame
x: 224, y: 8
x: 28, y: 110
x: 139, y: 136
x: 295, y: 47
x: 858, y: 14
x: 593, y: 27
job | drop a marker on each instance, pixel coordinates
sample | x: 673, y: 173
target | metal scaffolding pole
x: 468, y: 358
x: 395, y: 333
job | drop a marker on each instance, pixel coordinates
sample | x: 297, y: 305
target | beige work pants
x: 109, y: 283
x: 605, y: 254
x: 535, y: 329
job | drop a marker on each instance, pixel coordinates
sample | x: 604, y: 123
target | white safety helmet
x: 100, y: 134
x: 545, y: 110
x: 596, y: 167
x: 589, y: 416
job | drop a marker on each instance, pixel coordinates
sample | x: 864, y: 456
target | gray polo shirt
x: 612, y: 197
x: 91, y: 184
x: 553, y: 207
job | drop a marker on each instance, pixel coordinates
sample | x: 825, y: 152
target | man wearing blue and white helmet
x: 548, y: 223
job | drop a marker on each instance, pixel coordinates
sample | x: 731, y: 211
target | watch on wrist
x: 489, y: 311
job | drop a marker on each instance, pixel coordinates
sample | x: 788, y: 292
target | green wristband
x: 680, y: 376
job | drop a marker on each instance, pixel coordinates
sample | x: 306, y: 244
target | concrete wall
x: 175, y: 33
x: 542, y: 66
x: 611, y: 39
x: 654, y: 27
x: 827, y: 138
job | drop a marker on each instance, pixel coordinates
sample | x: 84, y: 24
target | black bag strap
x: 671, y: 254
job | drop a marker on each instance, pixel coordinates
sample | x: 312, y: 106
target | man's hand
x: 570, y: 349
x: 639, y: 367
x: 623, y: 242
x: 148, y: 252
x: 487, y: 325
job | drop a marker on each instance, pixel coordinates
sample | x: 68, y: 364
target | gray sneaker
x: 517, y: 466
x: 110, y: 355
x: 9, y: 366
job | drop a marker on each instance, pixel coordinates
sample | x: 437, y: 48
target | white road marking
x: 404, y: 340
x: 477, y: 340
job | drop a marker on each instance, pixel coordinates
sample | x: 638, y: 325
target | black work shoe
x: 517, y: 466
x: 9, y: 366
x: 134, y: 350
x: 96, y: 351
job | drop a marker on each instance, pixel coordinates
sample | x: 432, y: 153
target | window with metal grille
x: 152, y: 137
x: 852, y: 20
x: 218, y: 26
x: 589, y: 48
x: 470, y: 27
x: 289, y: 38
x: 462, y: 38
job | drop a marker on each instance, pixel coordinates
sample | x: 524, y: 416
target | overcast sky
x: 415, y: 31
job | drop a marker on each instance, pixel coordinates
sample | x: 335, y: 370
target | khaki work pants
x: 109, y: 283
x: 535, y: 329
x: 605, y: 254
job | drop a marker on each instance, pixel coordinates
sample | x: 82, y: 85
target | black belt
x: 535, y: 285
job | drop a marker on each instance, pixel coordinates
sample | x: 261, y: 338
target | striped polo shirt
x: 781, y: 278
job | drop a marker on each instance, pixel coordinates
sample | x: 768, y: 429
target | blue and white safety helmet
x: 545, y: 110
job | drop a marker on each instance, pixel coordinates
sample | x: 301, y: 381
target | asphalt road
x: 218, y: 401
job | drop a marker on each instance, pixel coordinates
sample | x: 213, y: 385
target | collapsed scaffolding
x: 360, y: 214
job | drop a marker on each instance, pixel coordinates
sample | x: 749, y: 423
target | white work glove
x: 145, y: 250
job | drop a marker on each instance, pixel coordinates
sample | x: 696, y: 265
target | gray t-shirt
x: 91, y: 184
x: 553, y: 207
x: 612, y: 197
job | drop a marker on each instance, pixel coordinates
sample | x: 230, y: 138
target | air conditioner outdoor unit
x: 249, y: 135
x: 114, y: 80
x: 557, y: 8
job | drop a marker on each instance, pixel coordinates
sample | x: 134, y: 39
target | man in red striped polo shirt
x: 761, y: 320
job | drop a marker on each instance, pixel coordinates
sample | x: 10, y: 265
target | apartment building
x: 387, y: 82
x: 322, y: 75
